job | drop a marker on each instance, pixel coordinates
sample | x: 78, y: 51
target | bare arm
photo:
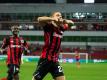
x: 55, y: 21
x: 45, y: 19
x: 26, y: 47
x: 2, y: 50
x: 4, y: 45
x: 68, y: 21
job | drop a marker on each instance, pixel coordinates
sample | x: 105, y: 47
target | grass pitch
x: 90, y: 71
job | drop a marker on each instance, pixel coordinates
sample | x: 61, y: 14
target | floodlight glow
x: 89, y: 1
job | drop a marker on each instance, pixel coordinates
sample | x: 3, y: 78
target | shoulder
x: 47, y: 26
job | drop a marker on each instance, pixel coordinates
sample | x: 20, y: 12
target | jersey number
x: 60, y: 68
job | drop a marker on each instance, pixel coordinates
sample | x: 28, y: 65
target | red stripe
x: 58, y: 47
x: 43, y: 55
x: 8, y: 56
x: 51, y: 49
x: 9, y: 53
x: 46, y: 38
x: 50, y: 55
x: 53, y: 42
x: 56, y: 57
x: 12, y: 51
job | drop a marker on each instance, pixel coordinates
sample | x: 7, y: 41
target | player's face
x: 57, y: 15
x: 15, y: 30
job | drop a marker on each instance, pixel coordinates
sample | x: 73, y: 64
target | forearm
x: 68, y: 21
x: 27, y: 50
x: 45, y: 19
x: 1, y: 50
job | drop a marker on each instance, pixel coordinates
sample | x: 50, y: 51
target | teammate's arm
x: 1, y: 50
x: 26, y: 47
x: 4, y: 45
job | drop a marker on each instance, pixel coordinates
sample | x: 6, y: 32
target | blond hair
x: 54, y: 13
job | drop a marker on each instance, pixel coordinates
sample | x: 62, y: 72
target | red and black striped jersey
x: 52, y: 39
x: 15, y: 47
x: 77, y: 56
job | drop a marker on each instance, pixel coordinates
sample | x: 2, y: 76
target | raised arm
x: 55, y: 19
x: 26, y: 47
x: 44, y: 20
x: 65, y: 21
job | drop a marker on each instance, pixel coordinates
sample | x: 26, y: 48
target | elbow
x: 38, y: 19
x: 71, y: 22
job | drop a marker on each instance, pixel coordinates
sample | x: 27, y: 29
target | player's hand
x: 60, y: 21
x: 57, y: 21
x: 28, y: 51
x: 1, y: 50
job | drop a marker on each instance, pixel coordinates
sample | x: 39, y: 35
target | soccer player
x: 15, y: 46
x: 77, y: 58
x: 53, y: 27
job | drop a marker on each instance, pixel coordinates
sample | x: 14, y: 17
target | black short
x: 44, y: 66
x: 13, y: 69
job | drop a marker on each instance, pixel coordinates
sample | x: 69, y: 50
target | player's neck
x: 15, y: 35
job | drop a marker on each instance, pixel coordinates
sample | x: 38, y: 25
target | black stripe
x: 51, y: 40
x: 55, y: 47
x: 19, y: 50
x: 58, y: 46
x: 11, y: 60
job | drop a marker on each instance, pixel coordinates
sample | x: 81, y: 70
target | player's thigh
x: 56, y: 71
x: 42, y: 70
x: 60, y: 78
x: 13, y: 69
